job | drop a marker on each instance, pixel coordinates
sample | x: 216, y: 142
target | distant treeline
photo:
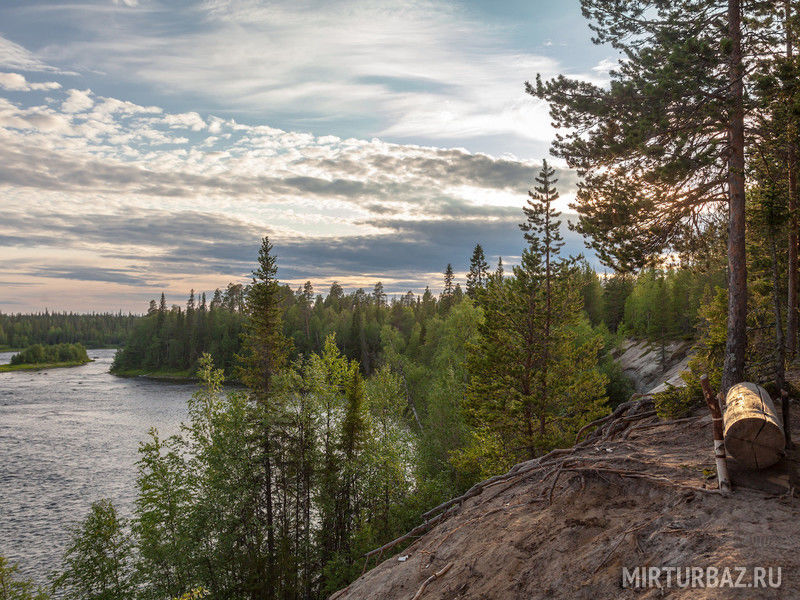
x: 656, y: 304
x: 57, y: 353
x: 95, y: 330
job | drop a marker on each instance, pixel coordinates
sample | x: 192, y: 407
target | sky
x: 148, y: 145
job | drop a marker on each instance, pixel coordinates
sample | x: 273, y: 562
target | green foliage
x: 194, y: 594
x: 653, y: 145
x: 172, y: 339
x: 665, y: 304
x: 533, y: 380
x: 95, y: 330
x: 57, y: 353
x: 478, y: 272
x: 674, y: 402
x: 12, y: 587
x: 98, y: 564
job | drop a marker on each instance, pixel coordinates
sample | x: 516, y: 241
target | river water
x: 69, y: 437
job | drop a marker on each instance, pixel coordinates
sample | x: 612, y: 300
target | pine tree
x: 663, y: 146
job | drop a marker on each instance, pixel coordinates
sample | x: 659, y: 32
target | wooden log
x: 719, y: 444
x: 753, y: 434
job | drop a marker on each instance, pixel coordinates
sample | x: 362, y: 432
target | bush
x: 674, y: 402
x: 12, y: 587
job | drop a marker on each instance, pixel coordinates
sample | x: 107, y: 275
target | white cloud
x: 605, y: 65
x: 15, y: 82
x: 190, y: 120
x: 14, y: 56
x: 417, y: 69
x: 77, y: 101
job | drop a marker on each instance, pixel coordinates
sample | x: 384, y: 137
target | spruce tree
x: 264, y: 352
x: 532, y: 381
x: 478, y: 272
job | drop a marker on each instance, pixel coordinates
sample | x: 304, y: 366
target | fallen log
x: 753, y: 434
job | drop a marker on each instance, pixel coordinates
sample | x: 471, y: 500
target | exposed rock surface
x: 649, y: 365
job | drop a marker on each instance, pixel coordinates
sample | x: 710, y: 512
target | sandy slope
x: 512, y: 542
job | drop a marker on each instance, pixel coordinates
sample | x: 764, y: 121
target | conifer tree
x: 532, y: 381
x: 478, y: 272
x: 264, y: 352
x: 448, y: 281
x: 663, y: 146
x: 378, y: 294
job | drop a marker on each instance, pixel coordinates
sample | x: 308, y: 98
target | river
x: 69, y: 437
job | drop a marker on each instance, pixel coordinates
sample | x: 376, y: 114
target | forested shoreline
x: 41, y: 356
x: 92, y: 330
x: 357, y: 413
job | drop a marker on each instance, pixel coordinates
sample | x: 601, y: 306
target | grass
x: 39, y: 366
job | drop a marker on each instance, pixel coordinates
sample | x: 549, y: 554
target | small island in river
x: 53, y: 356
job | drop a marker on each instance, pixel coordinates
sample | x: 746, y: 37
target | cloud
x: 77, y: 101
x: 14, y: 82
x: 190, y: 120
x: 422, y: 70
x: 605, y: 65
x: 113, y: 193
x: 15, y: 57
x: 95, y: 273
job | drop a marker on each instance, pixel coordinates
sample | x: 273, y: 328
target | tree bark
x: 733, y: 369
x: 780, y: 342
x: 791, y: 312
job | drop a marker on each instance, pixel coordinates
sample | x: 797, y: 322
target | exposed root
x: 641, y: 475
x: 435, y: 576
x: 615, y: 546
x: 620, y: 410
x: 418, y: 530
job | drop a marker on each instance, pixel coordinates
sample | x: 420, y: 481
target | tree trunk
x: 733, y: 369
x: 791, y: 312
x: 780, y: 343
x: 271, y: 571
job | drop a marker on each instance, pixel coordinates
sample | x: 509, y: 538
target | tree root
x: 641, y: 475
x: 435, y: 576
x: 620, y: 410
x: 419, y: 529
x: 615, y: 546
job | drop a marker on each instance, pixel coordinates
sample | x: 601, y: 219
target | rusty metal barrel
x: 753, y: 432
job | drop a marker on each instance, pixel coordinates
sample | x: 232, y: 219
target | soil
x: 646, y: 498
